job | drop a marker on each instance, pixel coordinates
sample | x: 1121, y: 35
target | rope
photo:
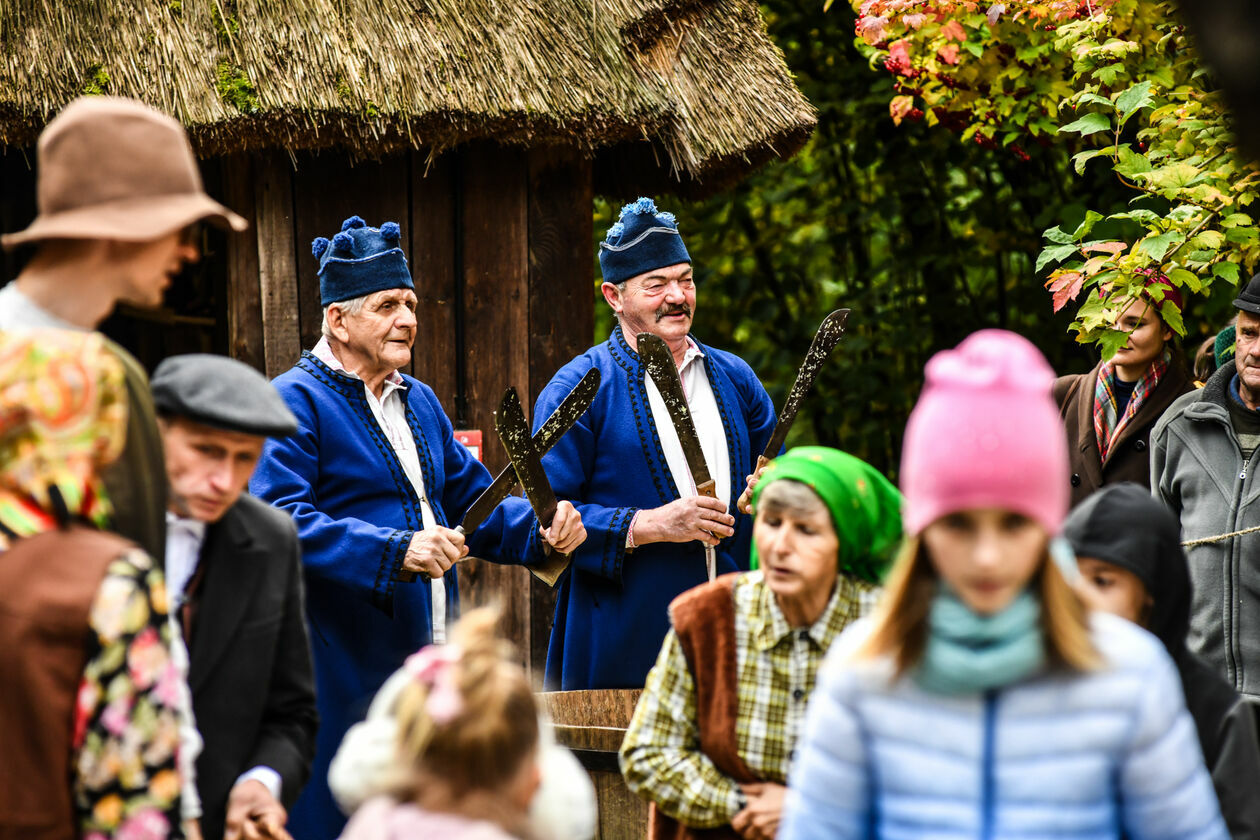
x: 1220, y: 537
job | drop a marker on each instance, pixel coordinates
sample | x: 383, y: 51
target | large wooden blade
x: 664, y: 372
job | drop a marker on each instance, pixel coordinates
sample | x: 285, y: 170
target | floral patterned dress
x: 126, y: 726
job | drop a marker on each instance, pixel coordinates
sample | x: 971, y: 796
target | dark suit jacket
x: 253, y: 687
x: 1129, y: 458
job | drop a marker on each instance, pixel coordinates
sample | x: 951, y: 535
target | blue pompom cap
x: 353, y: 222
x: 642, y: 239
x: 318, y: 246
x: 390, y: 230
x: 343, y: 242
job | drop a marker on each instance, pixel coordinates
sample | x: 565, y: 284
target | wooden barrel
x: 593, y: 724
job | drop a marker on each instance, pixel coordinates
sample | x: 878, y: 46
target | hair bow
x: 431, y: 666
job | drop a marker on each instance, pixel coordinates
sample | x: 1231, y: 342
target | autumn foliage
x: 1120, y: 81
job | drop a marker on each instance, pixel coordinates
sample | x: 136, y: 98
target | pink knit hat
x: 986, y: 433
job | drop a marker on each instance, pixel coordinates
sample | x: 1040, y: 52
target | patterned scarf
x: 63, y: 417
x: 1108, y: 424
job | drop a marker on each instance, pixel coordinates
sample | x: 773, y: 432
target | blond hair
x: 484, y: 745
x: 902, y: 625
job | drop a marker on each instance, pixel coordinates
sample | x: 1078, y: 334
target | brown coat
x: 1130, y: 457
x: 49, y: 583
x: 704, y: 619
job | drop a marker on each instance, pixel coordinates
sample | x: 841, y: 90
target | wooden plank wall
x: 499, y: 243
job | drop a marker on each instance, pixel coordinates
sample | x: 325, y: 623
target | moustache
x: 673, y: 310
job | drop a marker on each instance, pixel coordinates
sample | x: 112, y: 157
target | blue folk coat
x: 356, y: 512
x: 612, y: 608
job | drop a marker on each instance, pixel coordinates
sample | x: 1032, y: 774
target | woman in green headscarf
x: 714, y: 733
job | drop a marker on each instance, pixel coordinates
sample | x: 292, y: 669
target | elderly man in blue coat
x: 376, y: 482
x: 623, y: 465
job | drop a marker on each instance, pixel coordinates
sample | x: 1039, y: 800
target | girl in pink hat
x: 983, y: 700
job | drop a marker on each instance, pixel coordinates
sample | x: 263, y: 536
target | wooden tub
x: 592, y: 724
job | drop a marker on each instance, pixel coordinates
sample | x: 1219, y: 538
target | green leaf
x: 1092, y: 99
x: 1057, y: 235
x: 1241, y: 235
x: 1111, y: 341
x: 1054, y: 253
x: 1174, y: 176
x: 1086, y: 225
x: 1082, y: 158
x: 1188, y: 279
x: 1130, y: 164
x: 1227, y: 271
x: 1235, y: 220
x: 1140, y: 215
x: 1088, y: 124
x: 1154, y: 247
x: 1171, y: 316
x: 1134, y: 99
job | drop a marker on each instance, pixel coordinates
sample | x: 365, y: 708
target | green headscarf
x: 865, y: 507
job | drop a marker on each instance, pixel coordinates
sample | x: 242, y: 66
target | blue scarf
x: 968, y: 653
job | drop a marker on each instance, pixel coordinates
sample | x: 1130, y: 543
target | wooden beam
x: 561, y: 311
x: 496, y: 307
x: 277, y: 270
x: 244, y: 296
x: 432, y: 258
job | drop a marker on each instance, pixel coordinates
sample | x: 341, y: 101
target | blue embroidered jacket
x: 611, y: 611
x: 356, y: 512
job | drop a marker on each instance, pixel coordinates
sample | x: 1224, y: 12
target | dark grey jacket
x: 1122, y: 525
x: 1197, y: 469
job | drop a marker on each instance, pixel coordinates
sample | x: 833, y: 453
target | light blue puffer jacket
x: 1084, y: 756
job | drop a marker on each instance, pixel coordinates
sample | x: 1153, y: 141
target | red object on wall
x: 472, y: 439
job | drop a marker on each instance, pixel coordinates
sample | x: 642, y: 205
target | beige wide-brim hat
x: 114, y: 168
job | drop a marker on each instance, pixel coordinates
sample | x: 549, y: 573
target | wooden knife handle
x: 709, y: 488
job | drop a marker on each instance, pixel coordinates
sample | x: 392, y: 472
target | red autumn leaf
x: 1065, y: 287
x: 1106, y: 247
x: 899, y: 107
x: 948, y: 53
x: 954, y: 30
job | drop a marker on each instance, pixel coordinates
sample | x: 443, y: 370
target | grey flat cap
x: 221, y: 392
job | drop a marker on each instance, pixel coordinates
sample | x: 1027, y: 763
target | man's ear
x: 612, y: 296
x: 337, y: 323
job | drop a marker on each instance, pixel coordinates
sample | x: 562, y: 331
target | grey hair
x: 791, y: 497
x: 347, y: 307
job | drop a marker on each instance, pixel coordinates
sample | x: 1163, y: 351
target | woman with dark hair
x: 1110, y: 411
x: 983, y: 700
x: 1128, y: 548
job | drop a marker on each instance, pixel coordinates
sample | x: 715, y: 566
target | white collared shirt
x: 708, y: 422
x: 391, y: 416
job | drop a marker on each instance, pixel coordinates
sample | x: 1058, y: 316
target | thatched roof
x: 689, y: 89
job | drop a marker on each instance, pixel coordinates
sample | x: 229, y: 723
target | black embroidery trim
x: 615, y: 543
x: 390, y: 566
x: 649, y: 437
x: 353, y: 390
x: 738, y: 467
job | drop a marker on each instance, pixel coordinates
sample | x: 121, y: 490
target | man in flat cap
x: 624, y: 466
x: 1203, y: 466
x: 377, y: 483
x: 234, y: 576
x: 119, y: 196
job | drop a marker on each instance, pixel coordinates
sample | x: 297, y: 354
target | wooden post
x: 432, y: 257
x: 277, y: 270
x: 497, y: 346
x: 244, y: 296
x: 561, y: 311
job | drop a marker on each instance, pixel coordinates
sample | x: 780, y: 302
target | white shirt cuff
x: 270, y: 779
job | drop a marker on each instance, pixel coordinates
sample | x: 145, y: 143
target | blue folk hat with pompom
x: 643, y: 239
x: 360, y: 260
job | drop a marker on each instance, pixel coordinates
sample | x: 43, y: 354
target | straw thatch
x: 689, y: 89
